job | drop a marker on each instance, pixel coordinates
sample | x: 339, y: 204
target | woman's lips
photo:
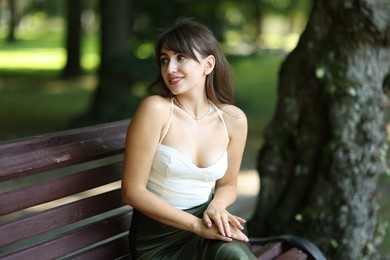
x: 175, y: 81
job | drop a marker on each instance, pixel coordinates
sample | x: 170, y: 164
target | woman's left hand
x: 219, y: 216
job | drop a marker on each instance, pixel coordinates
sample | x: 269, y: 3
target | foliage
x: 286, y: 6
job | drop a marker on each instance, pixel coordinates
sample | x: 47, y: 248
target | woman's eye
x: 163, y: 60
x: 181, y: 57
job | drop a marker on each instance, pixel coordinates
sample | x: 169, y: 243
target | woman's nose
x: 172, y: 67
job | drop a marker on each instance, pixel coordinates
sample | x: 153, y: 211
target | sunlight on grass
x: 44, y: 51
x: 39, y: 59
x: 47, y: 59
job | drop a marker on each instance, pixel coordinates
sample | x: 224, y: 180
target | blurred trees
x: 113, y: 98
x: 327, y: 143
x: 73, y: 30
x: 122, y: 78
x: 12, y: 21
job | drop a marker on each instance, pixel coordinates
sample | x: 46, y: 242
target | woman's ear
x: 210, y: 63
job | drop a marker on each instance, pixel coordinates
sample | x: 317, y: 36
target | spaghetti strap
x: 169, y: 122
x: 222, y: 120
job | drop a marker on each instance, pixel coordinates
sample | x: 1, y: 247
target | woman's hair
x: 187, y: 36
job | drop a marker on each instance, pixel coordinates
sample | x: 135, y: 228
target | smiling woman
x: 183, y: 154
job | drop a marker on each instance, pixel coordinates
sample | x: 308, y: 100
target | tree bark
x: 326, y: 144
x: 73, y: 40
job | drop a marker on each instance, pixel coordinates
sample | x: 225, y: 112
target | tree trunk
x: 73, y: 41
x: 326, y: 145
x: 113, y: 99
x: 12, y: 21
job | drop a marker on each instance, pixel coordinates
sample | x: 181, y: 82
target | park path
x: 248, y: 189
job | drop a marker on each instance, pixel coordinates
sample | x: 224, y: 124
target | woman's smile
x: 175, y: 80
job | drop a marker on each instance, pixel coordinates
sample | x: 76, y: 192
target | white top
x: 177, y: 180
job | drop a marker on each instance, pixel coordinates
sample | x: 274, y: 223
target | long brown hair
x: 186, y: 36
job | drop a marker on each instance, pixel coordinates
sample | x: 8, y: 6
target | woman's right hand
x: 213, y: 233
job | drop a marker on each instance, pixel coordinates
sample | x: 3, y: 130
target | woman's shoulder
x: 154, y: 103
x: 234, y: 117
x: 152, y: 107
x: 233, y: 112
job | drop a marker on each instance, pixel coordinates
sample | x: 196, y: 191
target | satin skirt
x: 150, y: 239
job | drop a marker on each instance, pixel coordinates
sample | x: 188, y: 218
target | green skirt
x: 150, y: 239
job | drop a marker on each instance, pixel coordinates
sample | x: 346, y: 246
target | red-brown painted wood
x: 27, y: 156
x: 117, y: 249
x: 268, y: 251
x: 40, y: 193
x: 59, y: 216
x: 293, y: 254
x: 73, y: 241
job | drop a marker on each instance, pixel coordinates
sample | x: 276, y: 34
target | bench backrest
x: 60, y: 195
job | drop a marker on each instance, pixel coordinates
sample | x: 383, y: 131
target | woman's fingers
x: 223, y: 222
x: 239, y: 235
x: 224, y: 238
x: 236, y: 221
x: 214, y: 232
x: 220, y: 222
x: 207, y: 220
x: 226, y: 226
x: 220, y: 225
x: 241, y: 220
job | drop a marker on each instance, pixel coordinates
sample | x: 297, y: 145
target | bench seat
x: 60, y: 198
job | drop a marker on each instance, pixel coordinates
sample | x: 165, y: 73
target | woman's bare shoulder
x: 234, y: 117
x: 232, y: 111
x: 153, y: 104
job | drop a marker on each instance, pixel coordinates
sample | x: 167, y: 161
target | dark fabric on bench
x: 150, y: 239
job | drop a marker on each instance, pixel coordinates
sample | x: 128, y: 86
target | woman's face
x: 181, y: 73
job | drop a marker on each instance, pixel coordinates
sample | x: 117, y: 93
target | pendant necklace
x: 188, y: 112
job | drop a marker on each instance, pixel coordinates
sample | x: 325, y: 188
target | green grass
x: 34, y: 100
x: 44, y: 51
x: 35, y: 106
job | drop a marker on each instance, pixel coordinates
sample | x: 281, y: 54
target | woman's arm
x: 142, y: 139
x: 226, y: 188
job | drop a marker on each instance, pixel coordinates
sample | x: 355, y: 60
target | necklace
x: 188, y: 112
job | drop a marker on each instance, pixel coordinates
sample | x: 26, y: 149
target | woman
x: 183, y: 154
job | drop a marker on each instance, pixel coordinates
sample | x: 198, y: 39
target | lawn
x: 34, y: 100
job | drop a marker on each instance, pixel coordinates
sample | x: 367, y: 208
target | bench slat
x: 268, y: 251
x: 57, y: 157
x: 76, y: 240
x: 59, y: 216
x: 293, y: 253
x: 15, y: 200
x: 28, y: 144
x: 21, y: 158
x: 116, y: 249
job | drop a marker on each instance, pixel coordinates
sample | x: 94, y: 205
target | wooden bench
x: 60, y: 199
